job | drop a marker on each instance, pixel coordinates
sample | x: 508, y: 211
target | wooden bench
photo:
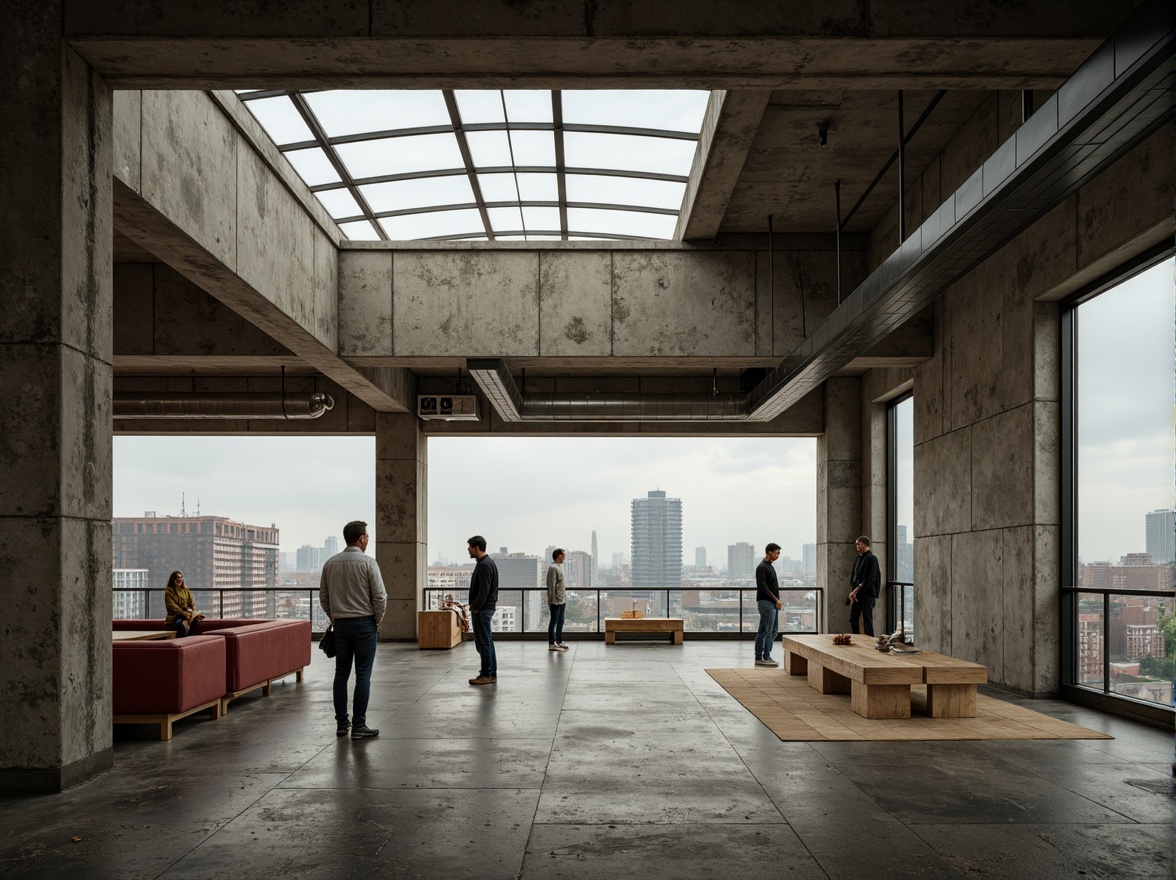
x: 671, y: 625
x: 880, y: 684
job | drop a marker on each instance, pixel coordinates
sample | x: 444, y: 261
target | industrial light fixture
x: 822, y: 133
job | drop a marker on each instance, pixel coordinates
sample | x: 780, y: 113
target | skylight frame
x: 458, y: 130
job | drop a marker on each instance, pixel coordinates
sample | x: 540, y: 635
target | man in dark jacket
x: 767, y: 600
x: 483, y: 601
x: 864, y: 585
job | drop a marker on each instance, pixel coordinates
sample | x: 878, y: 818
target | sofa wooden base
x: 672, y: 626
x: 266, y: 687
x: 165, y: 719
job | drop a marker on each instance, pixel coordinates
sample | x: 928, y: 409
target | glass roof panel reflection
x: 412, y: 157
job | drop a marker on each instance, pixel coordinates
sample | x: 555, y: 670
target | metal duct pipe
x: 198, y: 405
x: 634, y: 407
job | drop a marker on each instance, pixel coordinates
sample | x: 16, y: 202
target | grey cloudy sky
x: 521, y: 493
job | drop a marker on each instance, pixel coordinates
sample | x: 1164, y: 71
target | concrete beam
x: 201, y: 187
x: 605, y: 44
x: 728, y: 130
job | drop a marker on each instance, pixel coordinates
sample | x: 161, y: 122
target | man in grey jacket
x: 556, y: 601
x: 352, y: 593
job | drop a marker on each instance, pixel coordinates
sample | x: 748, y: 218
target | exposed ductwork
x: 196, y: 405
x: 1119, y: 96
x: 493, y: 377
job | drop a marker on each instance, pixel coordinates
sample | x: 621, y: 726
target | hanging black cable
x: 901, y: 173
x: 837, y: 198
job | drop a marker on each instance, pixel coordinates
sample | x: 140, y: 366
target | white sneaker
x: 560, y: 646
x: 553, y: 647
x: 766, y: 663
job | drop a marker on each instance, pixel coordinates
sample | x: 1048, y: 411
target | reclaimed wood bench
x: 671, y: 625
x: 880, y: 684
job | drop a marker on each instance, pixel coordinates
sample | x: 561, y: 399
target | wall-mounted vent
x: 448, y: 407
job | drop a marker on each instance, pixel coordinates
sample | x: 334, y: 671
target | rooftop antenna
x: 198, y: 507
x: 183, y: 508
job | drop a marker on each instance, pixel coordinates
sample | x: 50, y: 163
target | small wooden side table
x: 437, y: 629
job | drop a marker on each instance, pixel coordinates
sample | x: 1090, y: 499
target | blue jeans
x: 555, y: 625
x: 355, y: 639
x: 183, y: 628
x: 484, y: 642
x: 769, y: 625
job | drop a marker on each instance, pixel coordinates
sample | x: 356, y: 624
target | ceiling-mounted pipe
x: 239, y: 405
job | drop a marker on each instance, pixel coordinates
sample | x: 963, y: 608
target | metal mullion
x: 316, y: 129
x: 427, y: 209
x: 560, y: 175
x: 464, y: 147
x: 636, y: 175
x: 393, y: 178
x: 665, y: 133
x: 389, y: 133
x: 526, y: 203
x: 640, y: 209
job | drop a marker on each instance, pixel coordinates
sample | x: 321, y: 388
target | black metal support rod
x: 901, y: 173
x: 894, y: 156
x: 837, y: 198
x: 772, y: 277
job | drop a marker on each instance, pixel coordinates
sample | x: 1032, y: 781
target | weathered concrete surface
x: 575, y: 304
x: 365, y: 303
x: 55, y: 376
x: 402, y: 519
x: 728, y: 130
x: 216, y: 202
x: 987, y: 422
x: 636, y: 44
x: 839, y: 499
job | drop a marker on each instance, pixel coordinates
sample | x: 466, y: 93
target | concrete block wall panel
x: 365, y: 303
x: 128, y: 151
x: 839, y: 496
x: 575, y: 304
x: 453, y: 303
x: 325, y: 289
x: 402, y: 486
x: 987, y: 424
x: 56, y: 340
x: 667, y: 306
x: 189, y: 168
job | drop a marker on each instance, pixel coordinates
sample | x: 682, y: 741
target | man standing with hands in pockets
x: 767, y: 600
x: 483, y: 601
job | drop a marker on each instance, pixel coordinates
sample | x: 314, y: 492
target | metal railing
x: 283, y: 603
x: 902, y: 606
x: 1115, y: 656
x: 715, y: 612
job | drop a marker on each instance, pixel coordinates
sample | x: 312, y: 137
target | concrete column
x: 402, y: 508
x: 839, y: 496
x: 55, y: 425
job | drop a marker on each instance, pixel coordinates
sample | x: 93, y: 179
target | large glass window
x: 1123, y: 569
x: 900, y: 558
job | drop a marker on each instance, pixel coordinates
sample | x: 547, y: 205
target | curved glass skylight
x: 531, y: 165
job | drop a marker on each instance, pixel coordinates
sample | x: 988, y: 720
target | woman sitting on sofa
x: 181, y: 608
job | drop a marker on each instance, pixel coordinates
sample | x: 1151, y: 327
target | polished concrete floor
x: 605, y: 762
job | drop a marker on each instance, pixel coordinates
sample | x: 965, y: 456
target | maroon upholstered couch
x: 158, y: 682
x: 255, y: 652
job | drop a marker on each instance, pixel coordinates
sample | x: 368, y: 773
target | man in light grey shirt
x: 352, y: 593
x: 556, y: 602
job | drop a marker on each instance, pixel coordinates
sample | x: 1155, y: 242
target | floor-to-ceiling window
x: 1119, y: 450
x: 900, y: 558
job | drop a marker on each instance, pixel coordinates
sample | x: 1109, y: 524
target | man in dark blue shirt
x: 483, y: 600
x: 864, y: 585
x: 767, y: 600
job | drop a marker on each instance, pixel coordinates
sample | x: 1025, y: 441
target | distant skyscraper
x: 310, y: 558
x: 595, y: 558
x: 618, y: 559
x: 740, y: 562
x: 578, y: 569
x: 904, y: 558
x: 700, y: 557
x: 219, y: 558
x: 1161, y: 536
x: 657, y: 541
x: 131, y: 605
x: 809, y: 552
x: 330, y: 547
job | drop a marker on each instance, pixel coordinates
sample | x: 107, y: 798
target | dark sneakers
x: 343, y: 729
x: 364, y: 732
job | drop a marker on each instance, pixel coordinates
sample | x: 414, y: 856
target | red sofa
x: 158, y: 682
x: 255, y: 652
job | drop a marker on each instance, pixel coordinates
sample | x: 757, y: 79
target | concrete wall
x: 987, y: 426
x: 588, y: 302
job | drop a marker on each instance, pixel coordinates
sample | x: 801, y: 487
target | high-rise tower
x: 1161, y: 536
x: 657, y: 541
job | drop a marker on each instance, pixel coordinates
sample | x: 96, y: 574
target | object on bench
x: 674, y: 626
x: 437, y: 629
